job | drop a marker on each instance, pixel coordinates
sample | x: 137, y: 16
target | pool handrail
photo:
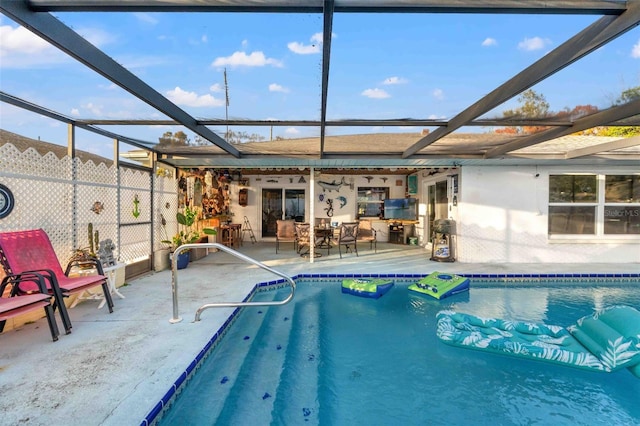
x: 174, y: 281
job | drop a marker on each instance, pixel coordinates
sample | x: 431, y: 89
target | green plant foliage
x: 189, y: 235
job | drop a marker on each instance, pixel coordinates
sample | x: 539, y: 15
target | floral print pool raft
x: 605, y: 341
x: 373, y: 288
x: 440, y: 285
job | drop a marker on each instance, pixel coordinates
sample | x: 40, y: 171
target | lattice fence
x: 48, y: 196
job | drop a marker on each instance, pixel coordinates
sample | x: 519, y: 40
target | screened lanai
x: 287, y: 93
x: 316, y: 76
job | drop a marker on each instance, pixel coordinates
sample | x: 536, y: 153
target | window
x: 595, y: 205
x: 621, y: 216
x: 371, y: 201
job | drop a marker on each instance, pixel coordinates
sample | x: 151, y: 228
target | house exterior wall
x: 502, y: 218
x: 344, y: 198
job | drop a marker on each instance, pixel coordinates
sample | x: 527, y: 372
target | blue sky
x: 382, y: 66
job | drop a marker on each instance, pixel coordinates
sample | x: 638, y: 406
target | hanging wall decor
x: 329, y: 209
x: 243, y: 197
x: 97, y: 207
x: 6, y: 201
x: 136, y: 209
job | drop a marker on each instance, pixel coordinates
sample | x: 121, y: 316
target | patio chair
x: 286, y: 233
x: 29, y: 256
x: 306, y: 237
x: 15, y: 304
x: 348, y: 237
x: 366, y: 233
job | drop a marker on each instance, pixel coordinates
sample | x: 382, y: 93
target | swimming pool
x: 333, y: 358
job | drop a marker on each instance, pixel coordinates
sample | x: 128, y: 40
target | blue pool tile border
x: 156, y: 412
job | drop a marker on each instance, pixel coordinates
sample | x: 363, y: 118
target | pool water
x: 330, y: 358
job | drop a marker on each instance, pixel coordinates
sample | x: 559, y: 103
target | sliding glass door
x: 280, y: 203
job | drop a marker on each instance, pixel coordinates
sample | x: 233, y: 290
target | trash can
x: 442, y: 245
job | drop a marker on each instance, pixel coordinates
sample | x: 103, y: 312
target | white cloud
x: 635, y: 50
x: 96, y: 36
x: 438, y: 94
x: 239, y: 59
x: 436, y: 117
x: 375, y: 93
x: 146, y: 18
x: 489, y: 42
x: 217, y: 87
x: 394, y: 80
x: 534, y: 43
x: 308, y: 49
x: 111, y: 86
x: 292, y: 131
x: 302, y: 49
x: 131, y: 62
x: 273, y: 87
x: 75, y: 112
x: 192, y: 99
x: 245, y: 44
x: 20, y: 48
x: 204, y: 38
x: 96, y: 110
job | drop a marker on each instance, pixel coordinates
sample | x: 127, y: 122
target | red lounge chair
x: 15, y: 305
x: 31, y: 251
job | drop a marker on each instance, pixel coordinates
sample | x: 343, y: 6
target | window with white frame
x: 595, y: 205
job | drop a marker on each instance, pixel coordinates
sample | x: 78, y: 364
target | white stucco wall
x: 502, y: 217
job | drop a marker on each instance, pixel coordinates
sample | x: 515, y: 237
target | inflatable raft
x: 367, y: 287
x: 605, y: 341
x: 440, y: 285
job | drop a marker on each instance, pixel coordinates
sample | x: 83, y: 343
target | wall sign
x: 6, y: 201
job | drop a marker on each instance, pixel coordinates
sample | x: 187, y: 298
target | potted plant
x: 85, y: 257
x: 188, y: 235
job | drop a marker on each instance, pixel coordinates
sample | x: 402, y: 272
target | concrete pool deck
x: 115, y: 367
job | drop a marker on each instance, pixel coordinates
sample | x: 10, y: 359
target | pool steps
x: 301, y: 399
x: 260, y: 395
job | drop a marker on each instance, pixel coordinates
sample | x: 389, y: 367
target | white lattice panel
x: 135, y: 232
x: 128, y: 208
x: 135, y: 243
x: 43, y: 187
x: 42, y: 204
x: 133, y: 178
x: 31, y: 163
x: 166, y: 206
x: 101, y: 173
x: 105, y: 221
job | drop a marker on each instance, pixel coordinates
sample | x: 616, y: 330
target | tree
x: 169, y: 139
x: 243, y: 137
x: 626, y: 96
x: 532, y: 106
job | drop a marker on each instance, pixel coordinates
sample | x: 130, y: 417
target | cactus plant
x: 94, y: 239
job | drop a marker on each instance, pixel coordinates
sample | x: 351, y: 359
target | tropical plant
x: 188, y: 235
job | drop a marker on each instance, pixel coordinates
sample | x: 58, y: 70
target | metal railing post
x: 174, y: 281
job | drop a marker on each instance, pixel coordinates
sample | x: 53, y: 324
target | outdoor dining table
x: 326, y: 233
